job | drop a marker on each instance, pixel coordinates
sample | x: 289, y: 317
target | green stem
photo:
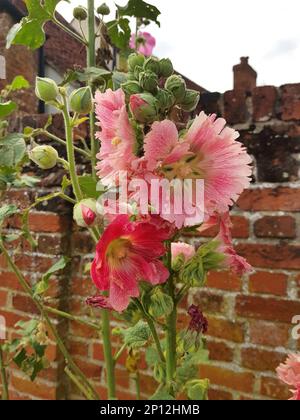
x: 51, y: 327
x: 91, y: 62
x: 119, y: 353
x: 5, y: 395
x: 171, y: 331
x: 79, y: 385
x: 152, y: 329
x: 70, y: 151
x: 109, y: 360
x: 71, y: 317
x: 138, y: 386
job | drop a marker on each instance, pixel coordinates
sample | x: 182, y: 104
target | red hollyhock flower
x: 129, y: 252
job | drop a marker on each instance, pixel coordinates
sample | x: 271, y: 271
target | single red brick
x: 290, y: 102
x: 235, y: 108
x: 225, y: 329
x: 22, y: 198
x: 281, y: 256
x: 43, y: 222
x: 24, y: 304
x: 224, y: 280
x: 78, y: 348
x: 36, y: 389
x: 3, y: 298
x: 12, y: 318
x: 217, y: 395
x: 268, y: 334
x: 90, y: 370
x: 268, y: 309
x: 264, y: 101
x: 148, y: 384
x: 261, y: 360
x: 275, y: 227
x: 280, y: 198
x: 273, y: 388
x: 220, y: 351
x: 239, y: 381
x: 79, y: 330
x: 269, y: 283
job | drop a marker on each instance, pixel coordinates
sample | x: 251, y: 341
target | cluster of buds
x: 41, y: 334
x: 152, y: 88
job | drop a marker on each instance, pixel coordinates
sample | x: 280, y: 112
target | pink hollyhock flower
x: 116, y: 136
x: 209, y: 152
x: 233, y: 261
x: 100, y: 302
x: 129, y: 252
x: 289, y: 373
x: 144, y: 44
x: 180, y: 248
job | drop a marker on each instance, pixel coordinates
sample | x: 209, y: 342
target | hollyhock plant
x: 144, y: 43
x: 128, y: 253
x: 289, y: 373
x: 181, y: 248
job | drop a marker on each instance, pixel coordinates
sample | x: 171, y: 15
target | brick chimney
x: 244, y: 76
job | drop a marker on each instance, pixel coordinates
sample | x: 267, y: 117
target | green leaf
x: 19, y: 83
x: 26, y: 181
x: 138, y: 335
x: 89, y: 186
x: 7, y: 211
x: 197, y: 389
x: 162, y: 395
x: 119, y: 32
x: 140, y: 9
x: 43, y: 285
x: 12, y: 150
x: 6, y: 108
x: 30, y: 31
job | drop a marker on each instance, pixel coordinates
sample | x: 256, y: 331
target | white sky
x: 206, y: 38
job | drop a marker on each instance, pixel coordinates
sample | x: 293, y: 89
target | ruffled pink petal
x: 160, y: 142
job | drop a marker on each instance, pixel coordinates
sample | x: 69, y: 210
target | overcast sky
x: 206, y: 38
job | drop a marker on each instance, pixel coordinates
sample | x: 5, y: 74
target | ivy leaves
x: 30, y: 31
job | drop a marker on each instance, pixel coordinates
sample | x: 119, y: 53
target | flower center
x: 116, y: 141
x: 118, y: 251
x: 186, y: 168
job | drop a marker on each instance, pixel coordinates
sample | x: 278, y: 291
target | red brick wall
x: 249, y: 319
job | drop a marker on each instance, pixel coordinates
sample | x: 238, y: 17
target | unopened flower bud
x: 137, y: 71
x: 46, y: 89
x: 103, y: 10
x: 131, y: 88
x: 144, y: 107
x: 81, y: 100
x: 135, y: 60
x: 190, y: 101
x: 152, y: 64
x: 149, y: 81
x: 45, y: 157
x: 165, y: 99
x: 176, y: 85
x: 160, y: 303
x: 85, y: 213
x: 80, y: 13
x: 166, y: 67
